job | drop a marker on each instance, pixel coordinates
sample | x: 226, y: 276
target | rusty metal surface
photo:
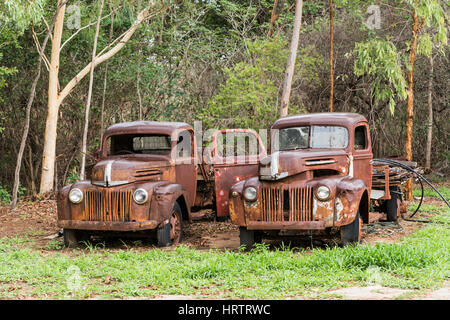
x: 286, y: 204
x: 288, y: 181
x: 286, y: 225
x: 108, y: 226
x: 386, y: 182
x: 333, y: 118
x: 108, y: 197
x: 147, y: 127
x: 231, y: 170
x: 107, y: 205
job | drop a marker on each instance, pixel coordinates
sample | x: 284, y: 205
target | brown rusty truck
x: 318, y: 177
x: 148, y: 177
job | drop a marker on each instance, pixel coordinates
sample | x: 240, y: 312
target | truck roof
x: 150, y: 127
x: 329, y: 118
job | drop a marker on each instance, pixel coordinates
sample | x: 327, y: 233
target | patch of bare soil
x: 29, y: 219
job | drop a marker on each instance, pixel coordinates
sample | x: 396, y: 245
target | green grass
x: 429, y: 192
x: 420, y: 261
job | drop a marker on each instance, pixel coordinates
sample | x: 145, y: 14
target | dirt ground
x: 37, y: 220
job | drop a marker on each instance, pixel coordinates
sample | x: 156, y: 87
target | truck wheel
x: 73, y: 237
x: 171, y: 233
x: 351, y: 233
x: 249, y: 237
x: 392, y: 206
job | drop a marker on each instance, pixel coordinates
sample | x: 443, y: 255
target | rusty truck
x: 147, y: 177
x: 150, y: 175
x: 318, y: 177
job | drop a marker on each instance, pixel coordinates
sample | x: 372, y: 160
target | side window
x: 360, y: 138
x: 184, y: 144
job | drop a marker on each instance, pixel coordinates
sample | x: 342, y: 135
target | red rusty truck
x: 317, y: 177
x: 148, y: 177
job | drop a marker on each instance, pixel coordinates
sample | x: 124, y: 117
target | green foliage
x: 433, y: 16
x: 17, y: 15
x: 249, y: 98
x: 4, y: 72
x: 429, y: 192
x: 73, y: 175
x: 5, y: 196
x: 379, y: 59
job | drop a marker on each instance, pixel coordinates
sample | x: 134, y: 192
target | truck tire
x: 73, y: 237
x: 392, y: 206
x: 249, y: 237
x: 171, y: 233
x: 351, y: 233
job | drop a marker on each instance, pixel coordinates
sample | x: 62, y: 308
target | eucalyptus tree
x: 388, y: 67
x: 56, y: 96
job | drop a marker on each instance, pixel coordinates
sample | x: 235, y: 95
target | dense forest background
x: 218, y: 61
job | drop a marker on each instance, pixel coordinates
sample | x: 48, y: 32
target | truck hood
x: 283, y: 164
x: 114, y: 172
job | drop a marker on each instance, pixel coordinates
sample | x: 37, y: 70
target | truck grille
x: 290, y: 204
x: 106, y: 205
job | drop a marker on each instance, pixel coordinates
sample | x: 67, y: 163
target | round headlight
x: 140, y: 196
x: 75, y: 195
x: 323, y: 193
x: 250, y: 194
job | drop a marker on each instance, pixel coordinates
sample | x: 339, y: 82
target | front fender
x: 349, y: 192
x: 164, y: 200
x: 236, y: 206
x: 63, y: 204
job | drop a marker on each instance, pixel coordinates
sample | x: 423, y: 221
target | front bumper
x: 108, y: 226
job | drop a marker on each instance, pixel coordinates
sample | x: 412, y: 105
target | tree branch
x: 142, y: 16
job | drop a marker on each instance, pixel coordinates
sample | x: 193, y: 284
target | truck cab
x: 317, y: 177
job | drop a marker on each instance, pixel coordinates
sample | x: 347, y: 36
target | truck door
x: 185, y: 164
x: 235, y: 157
x: 362, y: 154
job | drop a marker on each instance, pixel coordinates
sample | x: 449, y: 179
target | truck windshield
x: 314, y: 137
x: 138, y: 144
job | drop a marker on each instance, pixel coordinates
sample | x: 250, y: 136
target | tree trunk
x: 138, y: 86
x: 48, y: 155
x: 88, y: 104
x: 102, y: 120
x: 331, y: 58
x: 430, y: 117
x: 290, y: 67
x: 273, y: 19
x: 28, y: 111
x: 55, y: 99
x: 410, y: 105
